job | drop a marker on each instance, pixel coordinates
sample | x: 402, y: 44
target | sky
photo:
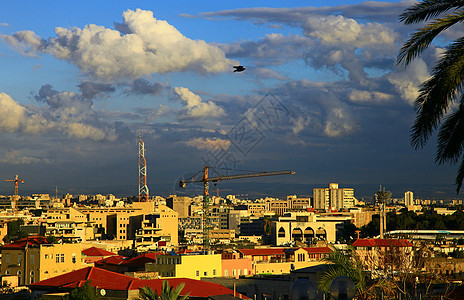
x: 321, y: 95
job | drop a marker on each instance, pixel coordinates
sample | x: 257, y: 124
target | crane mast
x: 16, y: 181
x: 15, y: 198
x: 206, y: 180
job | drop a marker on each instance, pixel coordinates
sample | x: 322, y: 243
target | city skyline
x: 320, y: 95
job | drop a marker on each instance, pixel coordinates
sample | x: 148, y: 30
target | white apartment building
x: 408, y: 198
x: 333, y: 197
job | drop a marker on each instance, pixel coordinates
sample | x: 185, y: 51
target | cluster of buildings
x: 74, y: 239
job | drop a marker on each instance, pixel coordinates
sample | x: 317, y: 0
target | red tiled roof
x: 195, y: 288
x: 113, y: 281
x: 112, y: 260
x: 382, y: 243
x: 29, y: 241
x: 141, y: 260
x: 259, y: 252
x: 98, y: 277
x: 318, y: 249
x: 94, y: 251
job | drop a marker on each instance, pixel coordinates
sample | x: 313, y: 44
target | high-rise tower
x: 143, y: 188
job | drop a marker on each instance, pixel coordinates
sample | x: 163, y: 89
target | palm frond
x: 451, y: 137
x: 460, y: 177
x: 437, y: 93
x: 421, y: 39
x: 427, y: 10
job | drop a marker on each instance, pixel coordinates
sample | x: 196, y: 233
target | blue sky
x: 321, y: 95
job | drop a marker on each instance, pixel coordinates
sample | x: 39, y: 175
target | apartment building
x: 33, y: 259
x: 333, y: 197
x: 409, y: 198
x: 161, y: 224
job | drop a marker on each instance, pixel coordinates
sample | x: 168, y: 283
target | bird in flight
x: 239, y: 69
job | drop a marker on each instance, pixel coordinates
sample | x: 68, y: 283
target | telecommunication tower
x: 143, y: 188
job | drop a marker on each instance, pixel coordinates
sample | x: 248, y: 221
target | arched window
x: 297, y: 234
x: 31, y: 278
x: 281, y: 232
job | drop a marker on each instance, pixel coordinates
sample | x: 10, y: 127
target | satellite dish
x: 343, y: 288
x: 303, y: 289
x: 102, y: 292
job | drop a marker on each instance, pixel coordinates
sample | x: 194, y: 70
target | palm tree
x: 444, y: 87
x: 350, y: 266
x: 167, y: 292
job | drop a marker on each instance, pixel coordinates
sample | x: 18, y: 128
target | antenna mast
x: 143, y: 188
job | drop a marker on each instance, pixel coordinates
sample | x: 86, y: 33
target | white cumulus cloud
x: 209, y: 143
x: 142, y: 45
x: 195, y: 107
x: 338, y: 29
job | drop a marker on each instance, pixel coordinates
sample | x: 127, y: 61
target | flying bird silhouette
x: 239, y: 69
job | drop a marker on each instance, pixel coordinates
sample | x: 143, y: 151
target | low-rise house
x: 117, y: 286
x: 191, y: 265
x: 234, y: 266
x: 378, y: 254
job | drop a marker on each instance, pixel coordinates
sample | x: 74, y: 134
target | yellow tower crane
x: 206, y: 180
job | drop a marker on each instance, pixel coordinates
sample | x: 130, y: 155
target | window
x: 234, y: 272
x: 31, y: 278
x: 74, y: 258
x: 226, y: 272
x: 57, y: 258
x: 19, y: 258
x: 214, y: 272
x: 205, y: 273
x: 197, y: 273
x: 32, y: 258
x: 7, y: 258
x: 46, y: 256
x: 7, y: 272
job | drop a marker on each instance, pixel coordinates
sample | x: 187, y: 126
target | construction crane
x: 16, y: 181
x: 206, y: 180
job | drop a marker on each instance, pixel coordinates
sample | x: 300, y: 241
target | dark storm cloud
x: 144, y: 87
x: 91, y: 89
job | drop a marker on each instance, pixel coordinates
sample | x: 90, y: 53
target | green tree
x: 167, y: 292
x: 14, y: 231
x: 444, y: 87
x: 84, y: 292
x: 350, y: 266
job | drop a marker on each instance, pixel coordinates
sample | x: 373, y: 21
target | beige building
x: 333, y: 197
x: 303, y: 227
x: 33, y: 259
x: 296, y: 203
x: 180, y: 204
x: 409, y: 198
x: 161, y: 224
x: 122, y: 223
x: 217, y: 235
x: 278, y: 207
